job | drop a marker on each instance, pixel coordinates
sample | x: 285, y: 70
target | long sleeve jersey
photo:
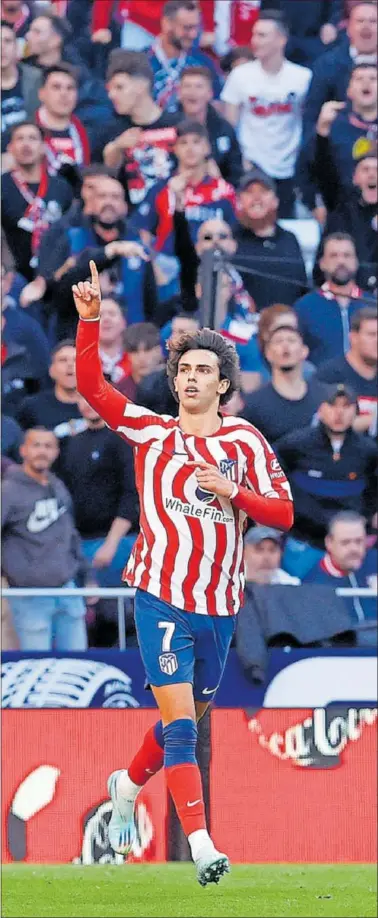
x: 190, y: 549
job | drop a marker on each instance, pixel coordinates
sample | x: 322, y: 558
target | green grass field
x: 150, y: 891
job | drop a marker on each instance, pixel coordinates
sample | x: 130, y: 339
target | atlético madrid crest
x: 168, y: 663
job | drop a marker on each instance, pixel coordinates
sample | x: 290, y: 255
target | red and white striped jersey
x: 190, y: 548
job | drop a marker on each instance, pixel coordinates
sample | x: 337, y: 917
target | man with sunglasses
x: 237, y: 318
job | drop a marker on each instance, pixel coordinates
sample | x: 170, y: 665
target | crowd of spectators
x: 152, y: 137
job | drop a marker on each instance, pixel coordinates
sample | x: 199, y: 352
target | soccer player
x: 198, y: 476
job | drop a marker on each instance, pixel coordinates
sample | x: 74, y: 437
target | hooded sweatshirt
x: 41, y: 547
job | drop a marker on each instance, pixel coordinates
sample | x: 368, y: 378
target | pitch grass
x: 171, y: 891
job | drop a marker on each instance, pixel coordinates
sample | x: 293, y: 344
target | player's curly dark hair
x: 205, y: 339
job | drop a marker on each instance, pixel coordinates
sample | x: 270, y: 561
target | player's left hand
x: 211, y: 479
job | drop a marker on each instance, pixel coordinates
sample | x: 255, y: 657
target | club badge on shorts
x: 168, y: 663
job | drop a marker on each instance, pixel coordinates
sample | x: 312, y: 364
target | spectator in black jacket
x: 331, y: 72
x: 140, y: 137
x: 330, y: 468
x: 19, y: 86
x: 195, y: 95
x: 358, y: 368
x: 32, y: 200
x: 95, y: 461
x: 344, y: 131
x: 268, y: 257
x: 288, y: 402
x: 356, y: 214
x: 55, y: 408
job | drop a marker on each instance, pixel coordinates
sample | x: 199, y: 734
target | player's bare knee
x: 175, y: 702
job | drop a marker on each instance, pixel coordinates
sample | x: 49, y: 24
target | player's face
x: 198, y: 383
x: 39, y: 450
x: 366, y: 178
x: 62, y: 369
x: 123, y: 91
x: 365, y: 341
x: 59, y: 94
x: 112, y: 322
x: 362, y: 89
x: 339, y: 262
x: 191, y: 151
x: 339, y: 417
x: 285, y: 350
x: 347, y: 545
x: 26, y: 146
x: 362, y: 28
x: 8, y: 47
x: 195, y: 93
x: 258, y: 202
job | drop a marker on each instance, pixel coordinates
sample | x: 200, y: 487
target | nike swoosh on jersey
x: 209, y: 691
x: 193, y: 802
x: 37, y: 524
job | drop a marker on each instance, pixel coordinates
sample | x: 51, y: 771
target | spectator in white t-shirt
x: 266, y: 97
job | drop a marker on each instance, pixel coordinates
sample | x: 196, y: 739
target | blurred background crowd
x: 146, y: 135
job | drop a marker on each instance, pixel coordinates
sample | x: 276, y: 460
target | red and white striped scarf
x: 33, y: 220
x: 73, y: 149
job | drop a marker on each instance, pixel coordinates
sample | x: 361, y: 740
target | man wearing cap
x: 330, y: 468
x: 268, y: 257
x: 266, y: 98
x: 262, y: 557
x: 288, y: 401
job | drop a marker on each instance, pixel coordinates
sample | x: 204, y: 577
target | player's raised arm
x: 133, y: 423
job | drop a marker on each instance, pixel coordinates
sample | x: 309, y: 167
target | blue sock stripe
x: 180, y: 740
x: 158, y: 731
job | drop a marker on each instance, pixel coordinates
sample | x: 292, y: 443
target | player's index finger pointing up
x: 94, y: 274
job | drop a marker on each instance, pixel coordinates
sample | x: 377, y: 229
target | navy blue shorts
x: 178, y: 646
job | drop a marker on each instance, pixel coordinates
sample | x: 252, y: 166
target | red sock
x: 185, y: 786
x: 148, y: 760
